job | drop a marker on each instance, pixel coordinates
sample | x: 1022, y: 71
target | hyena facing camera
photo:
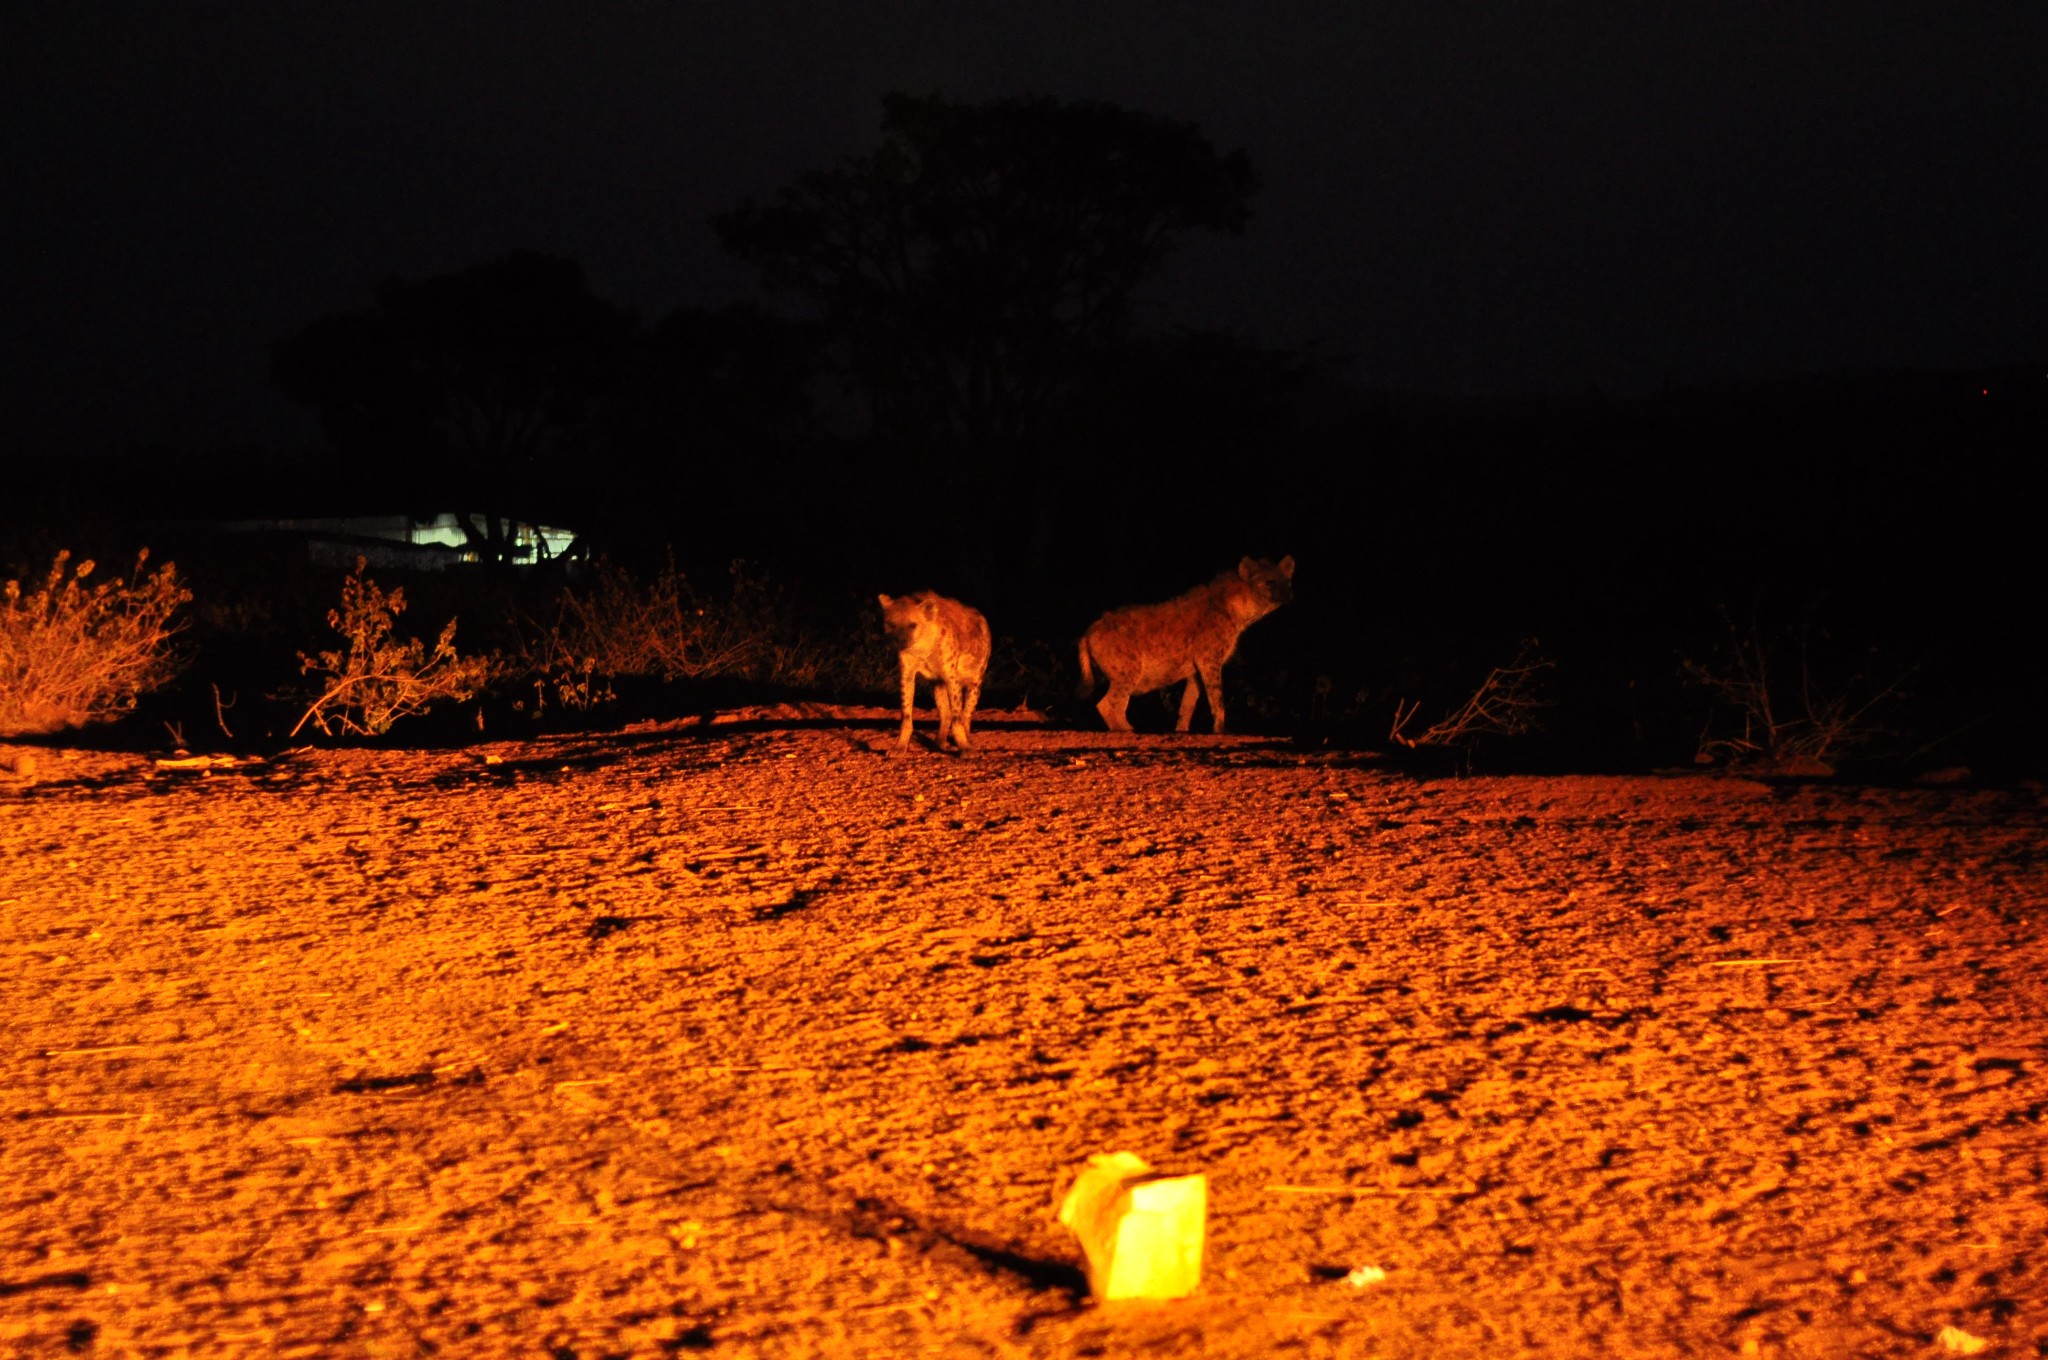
x: 1144, y: 647
x: 946, y: 642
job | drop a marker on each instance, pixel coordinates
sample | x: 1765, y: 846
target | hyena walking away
x: 1144, y: 647
x: 946, y: 642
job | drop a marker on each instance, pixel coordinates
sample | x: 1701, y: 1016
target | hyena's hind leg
x: 1188, y: 694
x: 1112, y: 707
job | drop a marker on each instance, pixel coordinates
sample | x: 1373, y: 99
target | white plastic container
x: 1140, y: 1232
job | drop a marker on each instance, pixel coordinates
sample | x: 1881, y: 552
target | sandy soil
x: 762, y: 1042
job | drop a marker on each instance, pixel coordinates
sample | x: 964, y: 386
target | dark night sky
x: 1477, y: 197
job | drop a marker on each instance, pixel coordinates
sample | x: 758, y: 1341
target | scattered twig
x: 1370, y: 1192
x: 55, y: 1279
x: 216, y: 762
x: 93, y: 1052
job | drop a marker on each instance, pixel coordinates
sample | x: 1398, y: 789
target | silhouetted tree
x: 718, y: 418
x: 467, y: 387
x: 970, y: 265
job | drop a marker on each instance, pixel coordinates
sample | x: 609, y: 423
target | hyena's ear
x: 886, y: 601
x: 1287, y: 567
x: 930, y: 610
x: 1246, y: 569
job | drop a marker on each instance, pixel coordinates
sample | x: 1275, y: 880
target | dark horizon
x: 1473, y: 201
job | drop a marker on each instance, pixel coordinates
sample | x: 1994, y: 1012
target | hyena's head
x: 909, y: 619
x: 1272, y: 582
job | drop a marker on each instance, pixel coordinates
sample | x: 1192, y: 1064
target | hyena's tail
x: 1086, y: 689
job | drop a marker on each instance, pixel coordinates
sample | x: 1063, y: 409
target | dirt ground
x: 758, y: 1040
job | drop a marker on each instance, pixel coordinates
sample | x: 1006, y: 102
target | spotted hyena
x: 946, y: 642
x: 1144, y: 647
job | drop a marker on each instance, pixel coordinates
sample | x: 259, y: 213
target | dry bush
x: 1031, y: 671
x: 1508, y: 703
x: 1777, y: 701
x: 73, y: 653
x: 376, y: 679
x: 665, y: 627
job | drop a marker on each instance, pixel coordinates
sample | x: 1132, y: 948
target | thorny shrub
x: 1779, y: 694
x: 73, y: 653
x: 376, y: 680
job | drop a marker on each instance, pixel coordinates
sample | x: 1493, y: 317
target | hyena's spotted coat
x: 1144, y: 647
x: 946, y: 642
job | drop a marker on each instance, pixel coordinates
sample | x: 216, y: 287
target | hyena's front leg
x: 909, y: 702
x: 1212, y: 685
x: 942, y: 699
x: 968, y: 700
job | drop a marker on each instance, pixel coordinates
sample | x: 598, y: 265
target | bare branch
x: 1507, y: 704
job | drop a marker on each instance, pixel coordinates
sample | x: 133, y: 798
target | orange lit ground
x: 766, y: 1043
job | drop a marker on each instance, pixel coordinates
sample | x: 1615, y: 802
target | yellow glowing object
x: 1140, y: 1232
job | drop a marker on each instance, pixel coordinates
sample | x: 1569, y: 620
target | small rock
x: 1956, y: 1341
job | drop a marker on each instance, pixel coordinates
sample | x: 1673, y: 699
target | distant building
x: 407, y: 542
